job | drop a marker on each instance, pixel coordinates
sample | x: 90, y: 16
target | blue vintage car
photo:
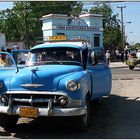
x: 59, y: 79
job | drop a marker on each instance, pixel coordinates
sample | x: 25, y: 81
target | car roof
x: 70, y: 44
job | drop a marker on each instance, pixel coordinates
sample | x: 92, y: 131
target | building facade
x: 90, y: 25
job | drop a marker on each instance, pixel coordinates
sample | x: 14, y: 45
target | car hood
x: 42, y: 78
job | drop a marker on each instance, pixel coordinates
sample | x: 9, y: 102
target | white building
x: 90, y: 25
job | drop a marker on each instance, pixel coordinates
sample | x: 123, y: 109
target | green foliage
x: 77, y: 9
x: 111, y: 25
x: 137, y: 45
x: 22, y: 22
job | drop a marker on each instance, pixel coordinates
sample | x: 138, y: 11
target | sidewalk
x: 118, y: 65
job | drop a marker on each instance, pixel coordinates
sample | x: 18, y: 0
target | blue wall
x: 85, y: 25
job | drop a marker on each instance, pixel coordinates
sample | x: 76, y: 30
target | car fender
x: 84, y: 80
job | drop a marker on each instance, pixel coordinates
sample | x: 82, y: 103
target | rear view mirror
x: 92, y: 58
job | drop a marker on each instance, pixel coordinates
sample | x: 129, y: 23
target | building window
x: 96, y: 40
x: 60, y: 33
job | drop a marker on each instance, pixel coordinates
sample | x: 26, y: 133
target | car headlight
x: 73, y: 86
x: 62, y: 101
x: 4, y: 99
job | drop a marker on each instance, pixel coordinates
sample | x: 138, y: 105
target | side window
x: 100, y: 56
x: 5, y: 60
x: 84, y: 58
x: 96, y: 57
x: 96, y: 40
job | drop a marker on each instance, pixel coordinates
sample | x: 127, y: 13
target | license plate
x: 29, y: 112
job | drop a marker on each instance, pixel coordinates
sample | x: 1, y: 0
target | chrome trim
x: 30, y: 100
x: 72, y: 102
x: 47, y: 111
x: 32, y: 85
x: 7, y: 68
x: 36, y: 92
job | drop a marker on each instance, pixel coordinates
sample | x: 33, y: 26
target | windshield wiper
x: 54, y: 60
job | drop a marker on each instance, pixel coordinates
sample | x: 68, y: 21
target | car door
x: 100, y: 73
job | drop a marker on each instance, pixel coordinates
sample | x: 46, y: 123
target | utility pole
x: 122, y: 27
x: 124, y: 30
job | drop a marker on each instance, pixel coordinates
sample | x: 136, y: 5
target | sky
x: 130, y: 14
x: 5, y: 5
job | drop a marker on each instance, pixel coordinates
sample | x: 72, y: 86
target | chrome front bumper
x: 15, y: 110
x: 75, y: 107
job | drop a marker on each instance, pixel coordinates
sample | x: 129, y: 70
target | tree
x: 111, y: 25
x: 22, y: 22
x: 76, y: 11
x: 137, y: 45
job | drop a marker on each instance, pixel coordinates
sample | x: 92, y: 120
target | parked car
x: 59, y: 79
x: 132, y: 59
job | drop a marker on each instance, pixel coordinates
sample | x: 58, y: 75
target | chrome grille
x: 34, y: 100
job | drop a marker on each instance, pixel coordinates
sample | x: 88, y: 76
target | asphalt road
x: 116, y: 117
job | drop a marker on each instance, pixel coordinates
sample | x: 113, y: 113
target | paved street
x: 117, y: 116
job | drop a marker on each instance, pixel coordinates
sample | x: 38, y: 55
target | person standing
x: 126, y: 55
x: 122, y: 56
x: 2, y: 60
x: 138, y: 54
x: 107, y: 57
x: 117, y: 54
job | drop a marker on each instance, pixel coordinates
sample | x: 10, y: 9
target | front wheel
x: 82, y: 122
x: 131, y: 67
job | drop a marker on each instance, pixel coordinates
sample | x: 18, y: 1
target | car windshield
x: 133, y: 51
x: 46, y: 56
x: 6, y: 60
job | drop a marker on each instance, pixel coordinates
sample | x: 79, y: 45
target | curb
x: 118, y: 65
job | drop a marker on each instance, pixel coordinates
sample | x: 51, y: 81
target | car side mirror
x: 92, y: 58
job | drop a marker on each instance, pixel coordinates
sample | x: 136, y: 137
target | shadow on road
x: 116, y: 118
